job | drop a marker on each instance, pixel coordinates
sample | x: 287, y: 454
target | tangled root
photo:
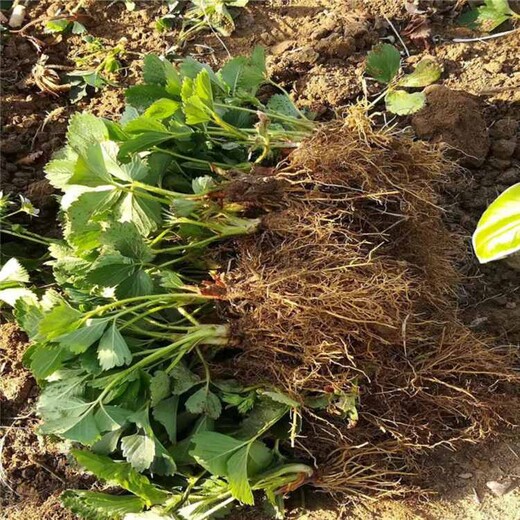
x: 350, y: 290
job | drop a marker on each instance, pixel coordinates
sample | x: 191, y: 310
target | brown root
x: 351, y: 287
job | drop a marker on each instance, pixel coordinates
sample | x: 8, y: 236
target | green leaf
x: 212, y: 450
x: 281, y: 104
x: 404, y: 103
x: 85, y: 130
x: 13, y: 271
x: 81, y: 229
x: 46, y: 359
x: 111, y: 418
x: 146, y: 124
x: 498, y: 230
x: 159, y: 387
x: 162, y: 109
x: 153, y: 70
x: 237, y: 476
x: 142, y: 96
x: 204, y: 402
x: 143, y: 213
x: 165, y: 412
x: 383, y: 62
x: 78, y: 341
x: 426, y: 72
x: 107, y: 443
x: 143, y: 142
x: 82, y: 429
x: 260, y: 457
x: 126, y: 239
x: 183, y: 379
x: 196, y: 111
x: 14, y: 294
x: 110, y: 269
x: 139, y: 451
x: 120, y: 474
x: 243, y: 73
x: 60, y: 320
x: 140, y: 284
x: 113, y: 350
x: 171, y: 280
x: 61, y: 168
x: 56, y: 26
x: 202, y: 88
x: 91, y: 505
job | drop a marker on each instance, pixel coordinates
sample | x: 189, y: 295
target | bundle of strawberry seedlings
x: 121, y: 342
x: 224, y: 313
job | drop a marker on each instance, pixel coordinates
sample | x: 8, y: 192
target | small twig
x: 46, y: 468
x: 483, y: 38
x: 398, y: 35
x: 496, y: 90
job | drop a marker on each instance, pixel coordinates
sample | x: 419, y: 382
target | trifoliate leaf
x: 112, y: 349
x: 426, y: 72
x: 245, y: 73
x: 139, y: 451
x: 204, y: 402
x: 404, y: 103
x: 383, y: 62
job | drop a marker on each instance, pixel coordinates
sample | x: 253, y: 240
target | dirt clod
x: 454, y: 118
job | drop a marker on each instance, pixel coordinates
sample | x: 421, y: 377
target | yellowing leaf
x: 404, y: 103
x: 498, y: 231
x: 426, y: 72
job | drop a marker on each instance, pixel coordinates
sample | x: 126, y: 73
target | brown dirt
x: 323, y: 77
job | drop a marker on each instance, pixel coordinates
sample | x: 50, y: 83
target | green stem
x: 40, y: 241
x: 306, y: 123
x: 193, y: 159
x: 120, y: 303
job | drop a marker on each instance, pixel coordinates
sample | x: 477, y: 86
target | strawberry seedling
x: 121, y: 343
x: 384, y: 65
x: 489, y: 16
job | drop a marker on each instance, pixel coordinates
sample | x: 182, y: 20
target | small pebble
x: 510, y: 176
x: 466, y: 476
x: 504, y: 128
x: 504, y: 148
x: 500, y: 488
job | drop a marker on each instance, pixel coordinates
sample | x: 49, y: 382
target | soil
x: 317, y: 50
